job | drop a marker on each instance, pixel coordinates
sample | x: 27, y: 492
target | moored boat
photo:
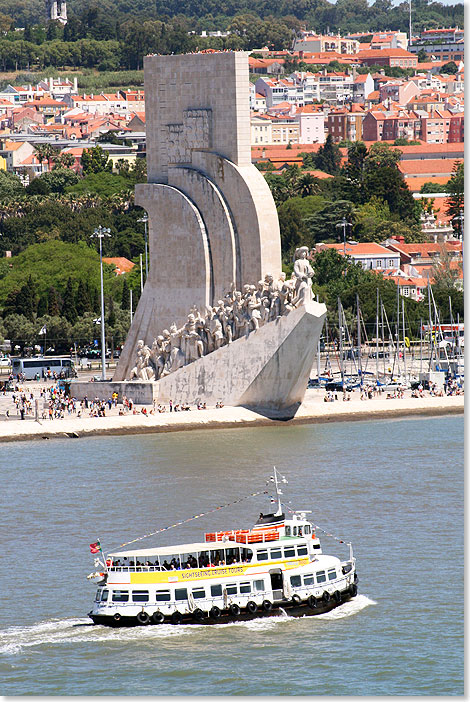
x: 233, y: 575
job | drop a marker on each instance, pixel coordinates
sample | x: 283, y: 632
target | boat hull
x: 226, y: 617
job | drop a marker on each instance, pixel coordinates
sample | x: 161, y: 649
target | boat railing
x: 134, y: 569
x: 242, y: 536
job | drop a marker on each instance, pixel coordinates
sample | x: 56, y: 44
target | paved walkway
x: 312, y: 410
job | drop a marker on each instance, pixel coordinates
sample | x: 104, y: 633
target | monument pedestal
x: 140, y: 392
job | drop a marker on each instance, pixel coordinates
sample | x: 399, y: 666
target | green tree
x: 449, y: 68
x: 69, y: 310
x: 422, y: 56
x: 455, y: 188
x: 95, y: 160
x: 10, y: 186
x: 53, y: 302
x: 58, y: 179
x: 125, y: 297
x: 20, y: 330
x: 328, y: 157
x: 38, y: 186
x: 82, y: 298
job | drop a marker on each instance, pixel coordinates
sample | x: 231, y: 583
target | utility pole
x: 99, y: 233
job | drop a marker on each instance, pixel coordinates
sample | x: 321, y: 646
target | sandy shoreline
x: 312, y: 411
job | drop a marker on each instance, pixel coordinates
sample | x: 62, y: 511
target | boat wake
x: 17, y: 639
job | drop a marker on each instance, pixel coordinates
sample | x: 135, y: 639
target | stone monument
x: 217, y: 322
x: 212, y: 219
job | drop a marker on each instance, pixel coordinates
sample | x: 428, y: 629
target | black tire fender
x: 117, y: 617
x: 312, y: 602
x: 267, y: 605
x: 143, y: 618
x: 326, y: 597
x: 337, y: 596
x: 176, y: 618
x: 234, y: 610
x: 252, y: 607
x: 215, y: 612
x: 157, y: 617
x: 198, y: 615
x: 296, y: 600
x: 353, y: 589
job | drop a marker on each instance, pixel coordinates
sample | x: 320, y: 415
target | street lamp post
x: 99, y: 233
x: 460, y: 218
x: 145, y: 219
x: 344, y: 223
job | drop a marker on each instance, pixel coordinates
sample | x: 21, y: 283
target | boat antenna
x: 277, y: 478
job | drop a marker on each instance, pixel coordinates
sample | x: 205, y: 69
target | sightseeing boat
x: 236, y: 575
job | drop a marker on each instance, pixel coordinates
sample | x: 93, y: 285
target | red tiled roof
x: 439, y: 167
x: 123, y: 265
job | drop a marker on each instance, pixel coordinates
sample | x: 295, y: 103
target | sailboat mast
x: 377, y: 340
x: 404, y: 344
x: 340, y: 322
x: 359, y: 363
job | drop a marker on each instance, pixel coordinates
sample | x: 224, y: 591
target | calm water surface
x: 394, y: 488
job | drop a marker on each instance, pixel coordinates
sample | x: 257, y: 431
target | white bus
x: 45, y: 367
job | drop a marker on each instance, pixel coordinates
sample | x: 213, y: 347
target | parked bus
x: 45, y: 367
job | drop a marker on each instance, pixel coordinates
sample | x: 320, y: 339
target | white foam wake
x: 16, y: 639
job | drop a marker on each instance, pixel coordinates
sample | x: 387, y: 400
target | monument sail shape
x: 250, y: 337
x: 212, y: 220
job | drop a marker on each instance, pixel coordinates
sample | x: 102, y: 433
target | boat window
x: 244, y: 588
x: 294, y: 531
x: 162, y: 596
x: 300, y: 531
x: 307, y: 529
x: 289, y: 552
x: 216, y: 590
x: 321, y: 576
x: 181, y: 593
x: 295, y: 580
x: 332, y: 574
x: 120, y: 596
x: 199, y: 594
x: 98, y: 595
x: 140, y: 596
x: 262, y: 555
x: 287, y: 530
x: 259, y: 585
x: 302, y: 551
x: 276, y: 553
x: 317, y: 546
x: 232, y: 589
x: 247, y: 555
x: 308, y: 579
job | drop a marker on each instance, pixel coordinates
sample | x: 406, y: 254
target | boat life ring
x: 176, y: 618
x: 252, y: 606
x: 215, y: 612
x: 143, y: 618
x: 267, y: 605
x: 296, y: 600
x: 312, y: 602
x: 198, y: 615
x: 117, y: 617
x: 234, y: 610
x: 157, y: 617
x: 337, y: 596
x: 326, y: 597
x: 353, y: 590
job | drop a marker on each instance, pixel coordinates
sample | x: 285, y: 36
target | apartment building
x: 400, y: 91
x: 346, y: 123
x: 388, y: 57
x: 324, y: 43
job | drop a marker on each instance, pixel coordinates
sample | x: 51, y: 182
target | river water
x: 394, y: 488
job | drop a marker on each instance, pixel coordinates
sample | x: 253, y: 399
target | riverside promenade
x: 314, y: 410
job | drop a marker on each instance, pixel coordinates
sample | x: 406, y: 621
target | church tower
x: 56, y: 10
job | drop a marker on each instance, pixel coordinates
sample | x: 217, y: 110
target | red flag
x: 95, y: 548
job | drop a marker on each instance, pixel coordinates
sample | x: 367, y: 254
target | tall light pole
x: 145, y: 219
x: 99, y: 233
x: 344, y: 223
x: 460, y: 218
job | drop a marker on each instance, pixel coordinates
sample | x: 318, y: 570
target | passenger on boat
x: 166, y: 565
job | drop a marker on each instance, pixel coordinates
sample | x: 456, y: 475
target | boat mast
x: 431, y: 343
x: 377, y: 340
x: 420, y: 347
x: 340, y: 326
x: 404, y: 344
x: 275, y: 480
x: 359, y: 364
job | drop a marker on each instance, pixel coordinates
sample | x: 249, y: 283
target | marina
x: 390, y: 504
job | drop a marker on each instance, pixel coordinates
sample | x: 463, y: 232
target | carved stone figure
x: 142, y: 369
x: 304, y: 273
x: 193, y: 344
x: 176, y: 355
